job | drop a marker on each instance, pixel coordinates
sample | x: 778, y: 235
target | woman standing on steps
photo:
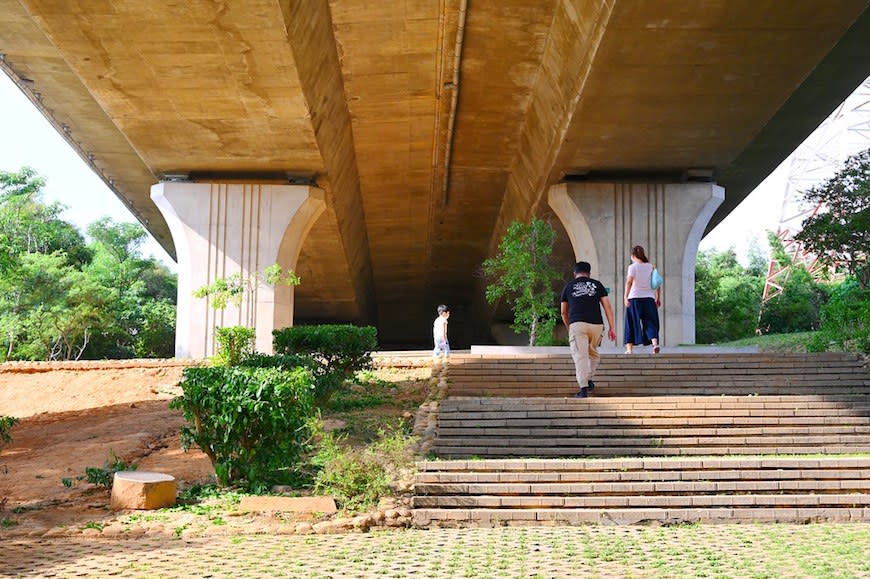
x: 641, y: 303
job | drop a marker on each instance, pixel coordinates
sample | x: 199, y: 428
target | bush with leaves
x: 845, y: 322
x: 340, y: 350
x: 104, y: 476
x: 797, y: 308
x: 358, y: 478
x: 252, y: 423
x: 6, y: 424
x: 521, y: 272
x: 234, y: 344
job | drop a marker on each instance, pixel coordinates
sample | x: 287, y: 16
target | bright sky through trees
x: 27, y: 139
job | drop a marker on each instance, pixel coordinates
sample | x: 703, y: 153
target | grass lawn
x: 796, y: 342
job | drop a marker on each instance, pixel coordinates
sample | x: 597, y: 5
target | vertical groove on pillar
x: 243, y: 307
x: 254, y: 298
x: 663, y: 321
x: 660, y: 252
x: 250, y: 305
x: 208, y: 268
x: 225, y: 221
x: 618, y: 237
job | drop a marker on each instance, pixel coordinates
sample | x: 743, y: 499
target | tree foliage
x: 845, y: 320
x: 727, y: 297
x: 798, y: 307
x: 64, y: 298
x: 521, y: 272
x: 839, y: 234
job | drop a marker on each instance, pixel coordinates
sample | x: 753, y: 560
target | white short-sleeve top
x: 640, y: 288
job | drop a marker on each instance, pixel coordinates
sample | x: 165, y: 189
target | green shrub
x: 6, y: 424
x: 341, y: 351
x: 234, y: 344
x: 102, y: 476
x: 358, y: 478
x: 845, y: 321
x: 252, y: 423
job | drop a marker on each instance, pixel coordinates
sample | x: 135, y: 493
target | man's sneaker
x: 590, y: 385
x: 582, y: 394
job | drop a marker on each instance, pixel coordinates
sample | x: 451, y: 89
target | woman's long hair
x: 638, y: 252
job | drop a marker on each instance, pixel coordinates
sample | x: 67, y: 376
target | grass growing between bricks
x: 758, y: 551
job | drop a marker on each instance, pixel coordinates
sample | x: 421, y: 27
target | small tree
x: 237, y: 342
x: 522, y: 273
x: 235, y: 287
x: 840, y: 232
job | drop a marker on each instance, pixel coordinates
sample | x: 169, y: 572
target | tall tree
x: 139, y: 294
x: 61, y: 298
x: 840, y: 232
x: 28, y: 225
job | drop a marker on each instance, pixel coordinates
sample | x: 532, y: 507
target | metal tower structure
x: 845, y: 132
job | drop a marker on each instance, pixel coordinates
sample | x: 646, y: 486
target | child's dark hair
x: 442, y: 308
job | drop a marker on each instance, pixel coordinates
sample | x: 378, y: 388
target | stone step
x: 625, y: 490
x: 646, y: 465
x: 556, y: 433
x: 612, y: 489
x: 662, y: 375
x: 470, y: 448
x: 691, y: 421
x: 654, y: 403
x: 647, y: 476
x: 660, y: 501
x: 535, y: 517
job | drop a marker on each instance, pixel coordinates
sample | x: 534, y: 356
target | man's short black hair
x: 582, y: 267
x: 442, y: 308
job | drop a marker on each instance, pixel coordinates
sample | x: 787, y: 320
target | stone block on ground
x: 142, y: 490
x: 289, y: 504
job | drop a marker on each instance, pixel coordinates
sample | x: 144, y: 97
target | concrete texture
x: 605, y: 220
x: 222, y: 230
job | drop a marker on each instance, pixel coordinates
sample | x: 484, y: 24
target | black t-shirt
x: 583, y: 295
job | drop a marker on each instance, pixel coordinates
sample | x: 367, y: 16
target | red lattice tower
x: 820, y: 156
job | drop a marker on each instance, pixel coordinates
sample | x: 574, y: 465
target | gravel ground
x: 816, y: 550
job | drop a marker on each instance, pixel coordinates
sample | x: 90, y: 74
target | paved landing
x: 821, y: 550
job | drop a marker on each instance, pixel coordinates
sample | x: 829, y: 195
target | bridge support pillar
x: 222, y: 229
x: 604, y: 221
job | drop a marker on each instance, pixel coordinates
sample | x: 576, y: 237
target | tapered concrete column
x: 604, y: 221
x: 223, y: 229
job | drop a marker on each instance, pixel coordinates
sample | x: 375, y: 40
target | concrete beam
x: 312, y: 40
x: 577, y: 29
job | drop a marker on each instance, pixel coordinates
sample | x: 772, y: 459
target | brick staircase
x: 638, y: 490
x: 662, y: 375
x: 517, y: 407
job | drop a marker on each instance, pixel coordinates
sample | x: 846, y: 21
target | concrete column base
x: 605, y: 220
x: 223, y: 229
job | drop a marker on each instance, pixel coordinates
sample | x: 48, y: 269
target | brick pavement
x: 821, y: 550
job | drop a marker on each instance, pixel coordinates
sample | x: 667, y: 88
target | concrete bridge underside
x: 429, y: 125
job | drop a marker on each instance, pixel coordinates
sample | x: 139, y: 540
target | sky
x: 27, y: 139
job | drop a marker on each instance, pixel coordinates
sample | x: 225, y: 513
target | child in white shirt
x: 439, y: 333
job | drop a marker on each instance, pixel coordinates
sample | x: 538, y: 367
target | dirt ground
x: 77, y: 414
x: 73, y: 415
